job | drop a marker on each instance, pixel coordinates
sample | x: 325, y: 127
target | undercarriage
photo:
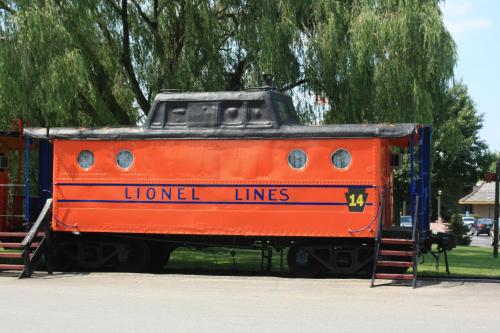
x: 305, y: 257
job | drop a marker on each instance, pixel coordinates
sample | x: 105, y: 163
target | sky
x: 475, y: 27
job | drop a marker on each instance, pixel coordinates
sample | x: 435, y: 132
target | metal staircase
x: 394, y: 249
x: 398, y: 249
x: 393, y: 253
x: 23, y: 250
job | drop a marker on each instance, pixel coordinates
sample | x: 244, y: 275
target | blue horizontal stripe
x: 219, y: 185
x: 285, y: 203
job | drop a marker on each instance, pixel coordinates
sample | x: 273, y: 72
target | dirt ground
x: 116, y: 302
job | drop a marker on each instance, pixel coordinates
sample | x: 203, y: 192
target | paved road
x: 481, y: 240
x: 106, y: 302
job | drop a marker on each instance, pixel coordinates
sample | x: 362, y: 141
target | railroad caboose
x: 233, y: 169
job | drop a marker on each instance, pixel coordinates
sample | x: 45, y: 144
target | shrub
x: 460, y: 230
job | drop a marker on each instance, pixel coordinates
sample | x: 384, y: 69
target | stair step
x: 18, y: 234
x: 396, y: 253
x: 16, y: 245
x: 10, y: 267
x: 396, y: 233
x: 386, y: 263
x: 11, y: 255
x: 387, y: 276
x: 16, y: 255
x: 399, y: 241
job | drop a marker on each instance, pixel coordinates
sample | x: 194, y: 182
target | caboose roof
x: 259, y: 113
x: 393, y: 131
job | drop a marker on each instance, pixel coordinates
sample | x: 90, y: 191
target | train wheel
x: 159, y: 255
x: 301, y: 263
x: 133, y: 256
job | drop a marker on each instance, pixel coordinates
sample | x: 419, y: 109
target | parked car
x: 482, y: 226
x: 468, y: 221
x: 405, y: 221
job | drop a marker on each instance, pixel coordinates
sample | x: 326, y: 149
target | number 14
x: 356, y: 200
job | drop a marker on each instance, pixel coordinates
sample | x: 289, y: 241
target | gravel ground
x: 107, y: 302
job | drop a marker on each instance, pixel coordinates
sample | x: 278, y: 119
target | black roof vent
x: 224, y: 109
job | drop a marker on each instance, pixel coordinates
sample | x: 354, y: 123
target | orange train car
x: 228, y: 169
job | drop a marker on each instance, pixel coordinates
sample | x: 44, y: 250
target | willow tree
x: 87, y: 62
x: 380, y: 60
x: 91, y: 62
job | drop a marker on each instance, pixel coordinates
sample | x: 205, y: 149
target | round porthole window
x: 124, y: 159
x: 297, y: 159
x: 85, y: 159
x: 341, y: 159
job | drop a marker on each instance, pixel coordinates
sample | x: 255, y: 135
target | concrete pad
x: 117, y: 302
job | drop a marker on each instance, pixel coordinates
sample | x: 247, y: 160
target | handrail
x: 415, y: 238
x: 379, y: 236
x: 27, y: 181
x: 36, y: 226
x: 374, y: 219
x: 30, y: 262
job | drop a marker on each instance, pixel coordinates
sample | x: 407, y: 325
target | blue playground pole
x: 27, y: 182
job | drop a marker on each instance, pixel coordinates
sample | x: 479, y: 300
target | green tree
x: 380, y: 61
x: 460, y: 156
x: 86, y: 62
x: 458, y: 228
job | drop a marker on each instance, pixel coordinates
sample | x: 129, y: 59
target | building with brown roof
x: 481, y: 200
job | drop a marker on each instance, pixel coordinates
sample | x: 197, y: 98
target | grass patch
x: 220, y: 259
x: 465, y: 261
x: 10, y: 260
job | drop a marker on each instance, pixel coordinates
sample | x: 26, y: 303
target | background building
x: 481, y: 200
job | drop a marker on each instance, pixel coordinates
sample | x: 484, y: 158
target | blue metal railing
x: 412, y: 179
x: 424, y: 178
x: 27, y: 182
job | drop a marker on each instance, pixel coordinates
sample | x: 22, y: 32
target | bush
x: 460, y: 230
